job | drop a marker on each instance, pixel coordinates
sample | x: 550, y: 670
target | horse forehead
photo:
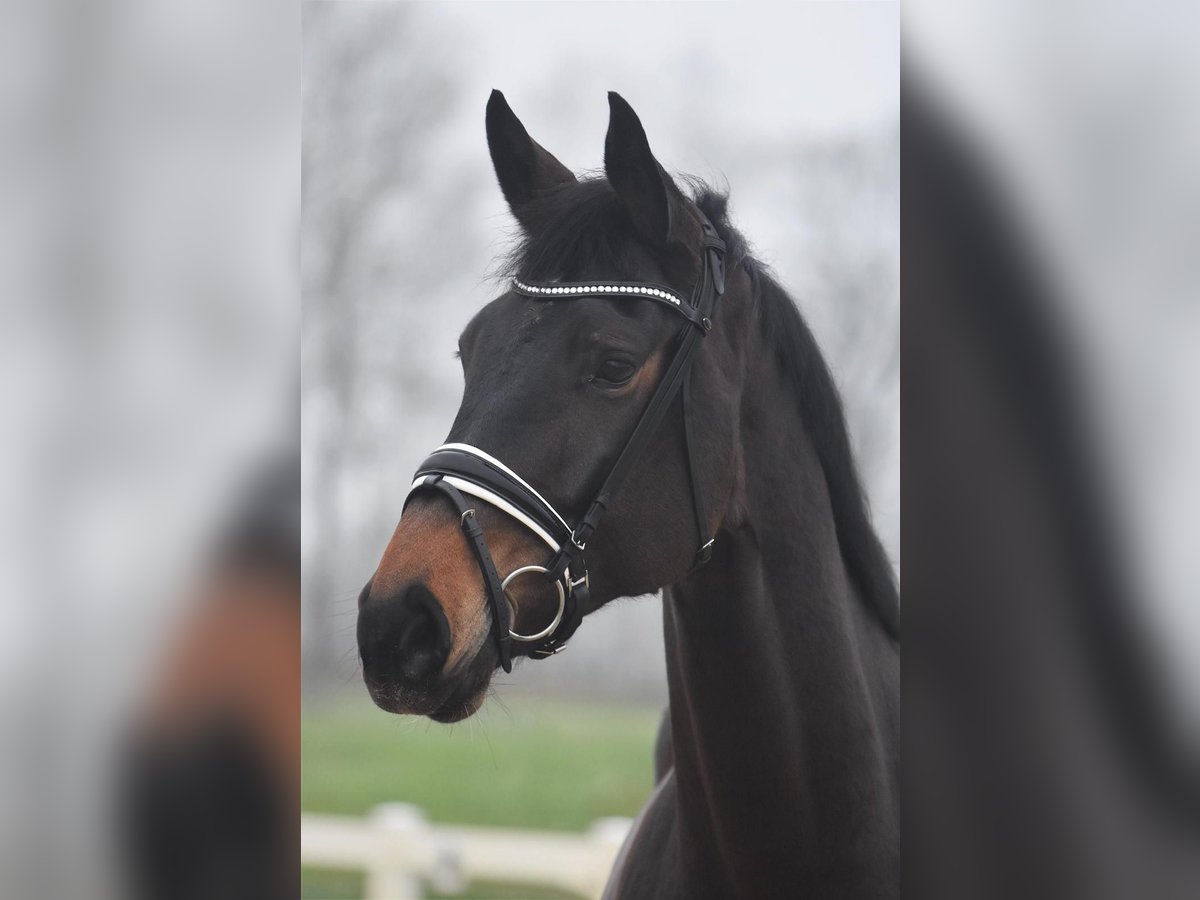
x: 511, y: 322
x: 512, y: 316
x: 512, y: 366
x: 505, y: 339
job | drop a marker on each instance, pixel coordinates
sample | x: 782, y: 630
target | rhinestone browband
x: 629, y: 290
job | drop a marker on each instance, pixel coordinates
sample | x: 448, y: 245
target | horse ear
x: 525, y: 170
x: 647, y: 191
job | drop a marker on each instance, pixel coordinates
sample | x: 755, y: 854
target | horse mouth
x: 461, y: 701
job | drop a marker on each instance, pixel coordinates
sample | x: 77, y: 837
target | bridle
x: 459, y: 471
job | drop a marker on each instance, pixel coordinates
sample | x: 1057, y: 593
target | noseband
x: 459, y: 471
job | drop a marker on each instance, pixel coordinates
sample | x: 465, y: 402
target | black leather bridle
x: 459, y: 471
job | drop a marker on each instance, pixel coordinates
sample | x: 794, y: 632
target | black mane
x: 801, y: 361
x: 590, y: 223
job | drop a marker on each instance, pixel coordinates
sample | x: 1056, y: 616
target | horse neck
x: 783, y: 685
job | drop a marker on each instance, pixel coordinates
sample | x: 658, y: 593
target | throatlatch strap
x: 501, y: 612
x: 704, y: 554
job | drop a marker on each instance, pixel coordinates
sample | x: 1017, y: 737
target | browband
x: 568, y: 290
x: 459, y: 470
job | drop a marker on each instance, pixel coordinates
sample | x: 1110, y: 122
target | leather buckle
x: 704, y: 554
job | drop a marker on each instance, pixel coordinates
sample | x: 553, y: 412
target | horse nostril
x: 403, y: 637
x: 423, y: 642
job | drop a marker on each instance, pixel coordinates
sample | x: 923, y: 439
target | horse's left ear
x: 654, y: 202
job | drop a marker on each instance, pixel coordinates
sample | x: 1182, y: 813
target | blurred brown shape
x: 211, y: 782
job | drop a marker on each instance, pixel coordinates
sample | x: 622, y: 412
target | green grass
x: 524, y: 764
x: 328, y: 885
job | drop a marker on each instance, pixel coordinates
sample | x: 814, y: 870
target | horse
x: 778, y: 758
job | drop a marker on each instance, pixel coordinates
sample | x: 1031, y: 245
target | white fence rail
x: 402, y: 854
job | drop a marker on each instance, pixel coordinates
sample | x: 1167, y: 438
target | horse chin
x: 469, y: 691
x: 456, y: 709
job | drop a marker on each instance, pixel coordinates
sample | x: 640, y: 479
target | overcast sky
x: 794, y: 71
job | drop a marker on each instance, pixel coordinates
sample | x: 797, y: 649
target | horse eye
x: 615, y: 371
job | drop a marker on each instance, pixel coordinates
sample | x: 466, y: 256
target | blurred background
x: 149, y: 319
x: 792, y: 107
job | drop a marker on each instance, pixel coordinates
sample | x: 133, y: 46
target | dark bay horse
x: 779, y: 760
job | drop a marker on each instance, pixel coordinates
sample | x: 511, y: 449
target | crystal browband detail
x: 627, y: 290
